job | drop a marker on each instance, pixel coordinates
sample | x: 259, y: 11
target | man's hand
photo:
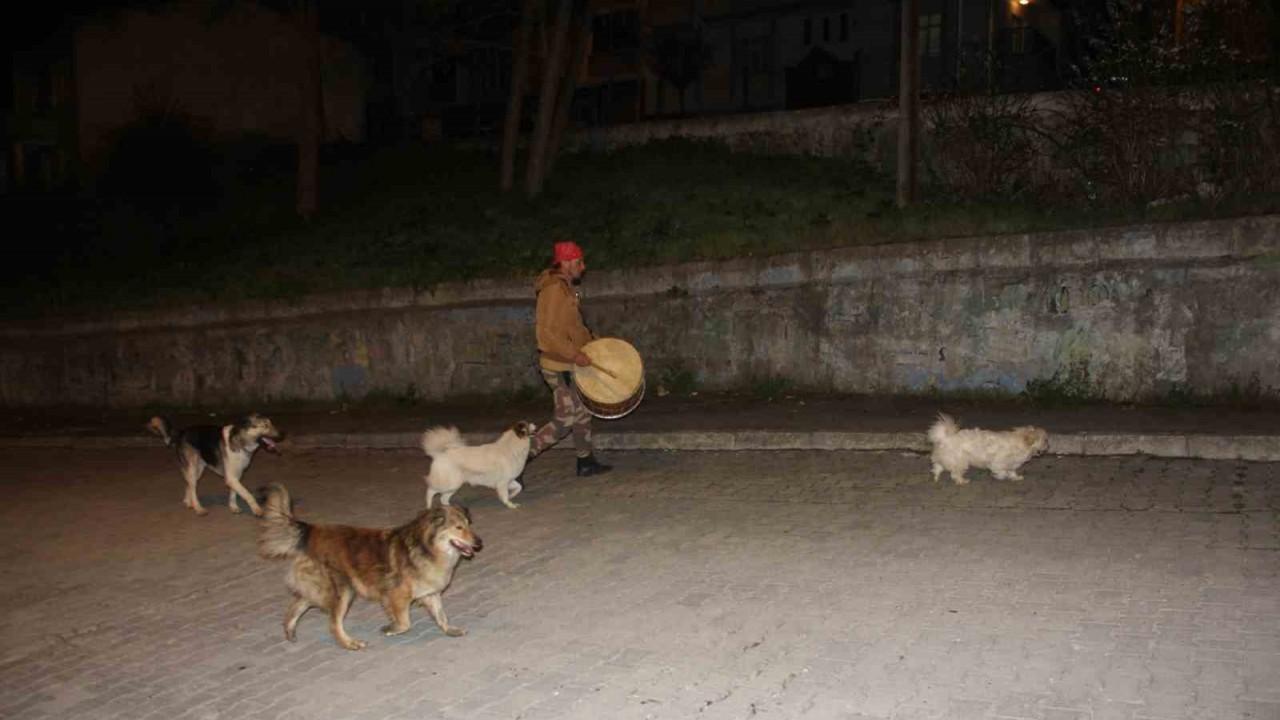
x: 581, y: 360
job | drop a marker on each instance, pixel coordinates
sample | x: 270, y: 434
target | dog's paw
x: 512, y: 505
x: 257, y: 512
x: 962, y: 481
x: 290, y: 635
x: 234, y: 508
x: 455, y: 632
x: 390, y: 630
x: 354, y: 644
x: 201, y: 511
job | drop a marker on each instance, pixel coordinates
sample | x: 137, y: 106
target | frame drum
x: 613, y: 384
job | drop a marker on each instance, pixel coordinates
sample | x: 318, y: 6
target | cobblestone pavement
x: 683, y: 585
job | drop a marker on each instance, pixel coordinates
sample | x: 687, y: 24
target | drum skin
x: 613, y: 385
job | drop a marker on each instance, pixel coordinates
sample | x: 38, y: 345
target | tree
x: 305, y: 15
x: 568, y: 89
x: 519, y: 81
x: 311, y: 110
x: 553, y: 73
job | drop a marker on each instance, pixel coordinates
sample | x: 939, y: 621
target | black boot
x: 588, y: 466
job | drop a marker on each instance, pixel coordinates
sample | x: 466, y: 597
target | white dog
x: 1002, y: 452
x: 496, y: 464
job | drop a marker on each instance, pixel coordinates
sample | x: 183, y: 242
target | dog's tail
x: 944, y: 428
x: 162, y: 427
x: 280, y: 535
x: 439, y: 439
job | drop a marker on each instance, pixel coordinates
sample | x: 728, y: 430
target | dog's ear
x: 466, y: 513
x: 269, y: 428
x: 235, y: 436
x: 1033, y: 437
x: 521, y: 429
x: 432, y: 520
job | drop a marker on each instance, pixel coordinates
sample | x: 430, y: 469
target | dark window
x: 444, y: 82
x: 46, y: 98
x: 844, y: 27
x: 757, y: 55
x: 616, y: 31
x: 1018, y: 37
x: 493, y: 70
x: 826, y: 29
x: 808, y: 31
x: 931, y: 35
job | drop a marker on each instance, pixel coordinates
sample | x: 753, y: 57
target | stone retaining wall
x: 1124, y: 313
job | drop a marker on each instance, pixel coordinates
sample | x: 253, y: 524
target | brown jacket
x: 560, y: 331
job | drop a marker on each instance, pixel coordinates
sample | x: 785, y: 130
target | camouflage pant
x: 570, y: 415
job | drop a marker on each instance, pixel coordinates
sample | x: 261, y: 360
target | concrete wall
x: 866, y: 130
x: 1123, y: 313
x: 858, y: 130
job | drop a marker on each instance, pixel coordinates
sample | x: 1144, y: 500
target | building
x: 785, y: 54
x: 660, y: 58
x: 232, y: 68
x: 452, y: 71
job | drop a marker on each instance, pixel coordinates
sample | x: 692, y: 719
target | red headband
x: 566, y: 250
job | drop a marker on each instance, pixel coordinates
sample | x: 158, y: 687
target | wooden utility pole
x: 909, y: 103
x: 519, y: 83
x: 581, y: 45
x: 311, y: 109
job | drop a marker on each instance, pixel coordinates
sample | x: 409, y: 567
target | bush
x: 983, y: 146
x: 161, y: 160
x: 1159, y: 117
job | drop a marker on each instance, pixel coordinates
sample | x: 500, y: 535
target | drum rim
x: 633, y: 402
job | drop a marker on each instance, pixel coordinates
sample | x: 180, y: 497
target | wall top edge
x: 1229, y: 239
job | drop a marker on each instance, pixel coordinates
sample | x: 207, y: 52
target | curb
x: 1261, y: 448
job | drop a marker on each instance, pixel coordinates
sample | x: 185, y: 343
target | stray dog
x: 495, y: 465
x: 334, y: 563
x: 1002, y: 452
x: 227, y: 450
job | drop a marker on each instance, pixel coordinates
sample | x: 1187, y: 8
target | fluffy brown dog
x: 334, y: 563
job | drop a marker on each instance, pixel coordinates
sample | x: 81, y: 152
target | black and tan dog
x: 334, y: 563
x: 225, y: 449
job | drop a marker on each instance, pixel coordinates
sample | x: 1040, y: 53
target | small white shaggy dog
x: 1002, y: 452
x: 496, y: 464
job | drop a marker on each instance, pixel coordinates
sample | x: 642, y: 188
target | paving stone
x: 684, y: 584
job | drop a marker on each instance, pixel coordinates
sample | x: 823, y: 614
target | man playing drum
x: 561, y: 335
